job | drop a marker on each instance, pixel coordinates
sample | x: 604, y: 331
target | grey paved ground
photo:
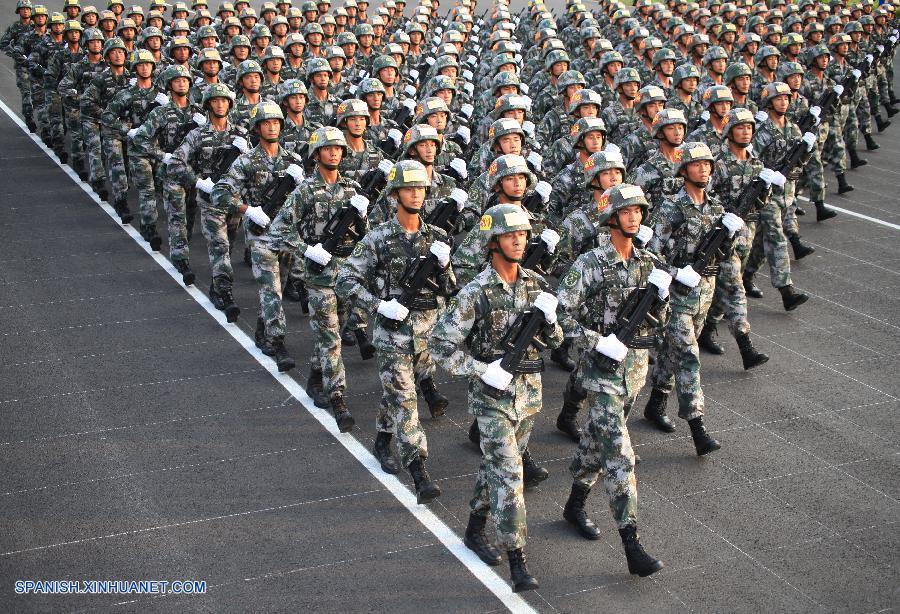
x: 139, y: 440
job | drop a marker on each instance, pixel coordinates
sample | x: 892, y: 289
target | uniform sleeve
x: 90, y: 102
x: 450, y: 332
x: 144, y: 140
x: 111, y: 118
x: 357, y: 271
x: 229, y: 187
x: 180, y: 168
x: 571, y: 294
x: 662, y: 221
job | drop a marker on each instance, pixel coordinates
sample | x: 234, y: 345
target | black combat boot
x: 259, y: 337
x: 382, y: 451
x: 532, y: 473
x: 707, y: 339
x: 32, y: 127
x: 62, y: 155
x: 248, y: 260
x: 749, y: 355
x: 348, y: 338
x: 121, y: 207
x: 437, y: 403
x: 187, y: 275
x: 822, y: 212
x: 882, y: 124
x: 316, y: 390
x: 791, y: 298
x: 702, y: 440
x: 366, y: 349
x: 342, y: 416
x: 891, y: 97
x: 282, y: 358
x: 560, y: 356
x: 843, y: 188
x: 291, y: 292
x: 518, y: 572
x: 78, y: 167
x: 99, y: 188
x: 231, y: 310
x: 148, y: 232
x: 891, y: 111
x: 750, y: 288
x: 576, y: 516
x: 426, y: 488
x: 855, y: 160
x: 476, y: 541
x: 474, y: 433
x: 567, y: 420
x: 871, y: 145
x: 655, y: 411
x: 639, y: 562
x: 801, y: 249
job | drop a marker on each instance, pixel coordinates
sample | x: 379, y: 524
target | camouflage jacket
x: 691, y: 109
x: 637, y: 147
x: 467, y: 335
x: 163, y: 131
x: 128, y: 109
x: 373, y: 272
x: 294, y: 137
x: 707, y: 133
x: 248, y: 178
x: 100, y: 92
x: 57, y: 65
x: 441, y: 186
x: 11, y: 37
x: 358, y: 163
x: 620, y: 122
x: 657, y: 178
x: 568, y: 192
x: 78, y: 77
x: 814, y: 88
x: 196, y: 157
x: 321, y: 112
x: 732, y: 176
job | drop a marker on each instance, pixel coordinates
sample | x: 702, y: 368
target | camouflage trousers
x: 814, y: 171
x: 851, y: 124
x: 90, y: 132
x: 180, y: 212
x: 605, y: 448
x: 143, y: 176
x: 834, y: 151
x: 678, y: 360
x: 23, y: 82
x: 41, y: 112
x: 55, y: 121
x: 730, y: 299
x: 76, y: 137
x: 324, y: 307
x: 219, y: 230
x: 266, y: 266
x: 499, y: 486
x: 399, y: 412
x: 772, y: 243
x: 116, y: 171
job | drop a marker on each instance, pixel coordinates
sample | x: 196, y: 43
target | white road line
x: 874, y: 220
x: 483, y: 573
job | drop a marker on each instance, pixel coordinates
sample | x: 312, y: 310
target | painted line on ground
x: 482, y: 572
x: 874, y: 220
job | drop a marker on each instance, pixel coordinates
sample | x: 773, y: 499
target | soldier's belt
x: 710, y: 271
x: 524, y: 366
x: 643, y: 342
x: 423, y: 303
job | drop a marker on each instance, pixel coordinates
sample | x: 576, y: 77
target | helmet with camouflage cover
x: 420, y: 133
x: 444, y: 61
x: 773, y: 90
x: 786, y: 69
x: 93, y: 34
x: 175, y: 71
x: 839, y: 39
x: 692, y: 151
x: 407, y: 174
x: 364, y: 29
x: 736, y: 117
x: 717, y: 93
x: 113, y: 43
x: 570, y: 77
x: 352, y: 107
x: 626, y: 75
x: 142, y: 56
x: 73, y: 25
x: 501, y: 219
x: 599, y: 162
x: 853, y: 26
x: 260, y: 30
x: 648, y: 94
x: 504, y: 79
x: 738, y: 69
x: 346, y: 38
x: 335, y: 52
x: 791, y: 38
x: 247, y: 67
x: 312, y: 28
x: 23, y: 4
x: 263, y: 111
x: 512, y: 102
x: 662, y: 55
x: 667, y: 117
x: 315, y: 65
x: 620, y: 197
x: 502, y: 127
x: 438, y: 83
x: 292, y: 87
x: 583, y: 126
x: 207, y: 32
x: 150, y: 32
x: 585, y: 97
x: 209, y: 54
x: 608, y: 58
x: 325, y: 137
x: 179, y: 42
x: 217, y: 90
x: 685, y: 71
x: 370, y: 86
x: 765, y: 51
x: 430, y: 106
x: 555, y: 56
x: 748, y: 38
x: 714, y: 53
x: 273, y: 52
x: 382, y: 62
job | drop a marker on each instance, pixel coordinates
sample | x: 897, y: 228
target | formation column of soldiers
x: 468, y: 191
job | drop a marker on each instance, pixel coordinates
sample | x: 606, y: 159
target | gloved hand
x: 535, y: 161
x: 469, y: 89
x: 466, y: 110
x: 241, y: 144
x: 547, y: 303
x: 396, y: 136
x: 385, y: 166
x: 761, y: 116
x: 528, y: 128
x: 816, y: 112
x: 360, y: 203
x: 73, y: 93
x: 611, y: 347
x: 467, y: 75
x: 199, y: 119
x: 810, y: 139
x: 132, y: 132
x: 496, y: 376
x: 441, y: 251
x: 393, y: 309
x: 161, y: 99
x: 465, y: 134
x: 167, y: 159
x: 644, y: 234
x: 318, y: 254
x: 612, y: 148
x: 543, y: 189
x: 687, y: 276
x: 551, y: 238
x: 772, y: 177
x: 704, y: 116
x: 414, y: 74
x: 295, y: 171
x: 257, y: 216
x: 838, y: 89
x: 870, y: 58
x: 661, y: 280
x: 857, y: 73
x: 205, y: 185
x: 732, y: 222
x: 459, y: 165
x: 410, y: 90
x: 460, y: 196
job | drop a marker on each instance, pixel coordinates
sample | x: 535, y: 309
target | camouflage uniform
x: 41, y: 51
x: 59, y: 59
x: 358, y: 163
x: 441, y: 186
x: 99, y: 94
x: 8, y: 43
x: 656, y: 177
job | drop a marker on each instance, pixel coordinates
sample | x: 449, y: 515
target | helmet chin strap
x: 628, y: 235
x: 411, y: 210
x: 329, y: 166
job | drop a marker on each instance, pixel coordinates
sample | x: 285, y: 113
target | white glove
x: 468, y: 88
x: 132, y: 132
x: 732, y: 222
x: 460, y: 196
x: 396, y: 136
x: 360, y: 203
x: 612, y: 148
x: 661, y: 280
x: 496, y: 376
x: 441, y: 251
x: 414, y: 74
x: 205, y: 185
x: 551, y: 238
x: 518, y: 59
x: 385, y: 167
x: 644, y: 234
x: 536, y: 161
x: 410, y: 90
x: 816, y: 112
x: 476, y: 29
x: 318, y: 254
x: 409, y: 103
x: 547, y: 303
x: 880, y: 48
x: 72, y: 93
x: 772, y: 177
x: 459, y: 165
x: 543, y: 189
x: 241, y: 144
x: 353, y: 89
x: 430, y: 60
x: 523, y: 88
x: 472, y: 61
x: 295, y: 171
x: 857, y: 73
x: 436, y: 40
x: 704, y: 116
x: 611, y: 347
x: 838, y: 89
x: 687, y: 276
x: 464, y: 133
x: 162, y: 99
x: 810, y: 139
x: 132, y: 82
x: 761, y: 116
x: 467, y: 75
x: 199, y: 119
x: 393, y: 309
x: 167, y: 159
x: 466, y: 110
x: 870, y: 58
x: 257, y: 216
x: 528, y: 128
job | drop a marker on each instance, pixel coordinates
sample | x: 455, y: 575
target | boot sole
x: 231, y: 313
x: 709, y: 450
x: 760, y: 361
x: 526, y: 586
x: 648, y: 572
x: 796, y: 304
x: 492, y: 562
x: 428, y: 496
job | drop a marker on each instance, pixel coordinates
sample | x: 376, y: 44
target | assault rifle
x: 446, y: 212
x: 276, y: 193
x: 515, y: 343
x: 418, y: 276
x: 341, y: 225
x: 638, y: 308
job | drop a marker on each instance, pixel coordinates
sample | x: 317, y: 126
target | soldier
x: 717, y: 102
x: 353, y: 119
x: 657, y: 177
x: 590, y: 296
x: 372, y: 276
x: 320, y: 108
x: 72, y: 86
x: 58, y: 62
x: 637, y: 146
x: 8, y: 43
x: 292, y: 96
x: 621, y: 116
x: 249, y: 78
x: 465, y: 342
x: 589, y: 133
x: 42, y: 48
x: 679, y: 224
x: 684, y: 95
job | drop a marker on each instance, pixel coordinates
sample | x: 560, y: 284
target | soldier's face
x: 516, y: 114
x: 411, y: 198
x: 374, y: 100
x: 699, y: 172
x: 210, y: 68
x: 144, y: 70
x: 356, y: 126
x: 630, y: 219
x: 674, y: 134
x: 613, y: 67
x: 330, y: 156
x: 388, y: 76
x: 722, y: 108
x: 653, y: 108
x: 154, y: 43
x: 180, y: 86
x: 513, y: 243
x: 718, y: 66
x: 689, y: 85
x: 667, y: 67
x: 274, y: 65
x: 588, y: 110
x: 772, y: 62
x: 95, y: 47
x: 426, y: 150
x: 116, y: 57
x: 593, y: 141
x: 296, y: 103
x: 181, y: 54
x: 25, y: 13
x: 514, y: 186
x: 780, y: 104
x: 438, y: 121
x: 320, y: 80
x: 336, y: 63
x: 742, y: 134
x: 742, y: 84
x: 510, y: 143
x: 630, y: 89
x: 445, y: 95
x: 794, y: 82
x: 269, y: 130
x: 209, y: 42
x: 609, y: 178
x: 219, y: 106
